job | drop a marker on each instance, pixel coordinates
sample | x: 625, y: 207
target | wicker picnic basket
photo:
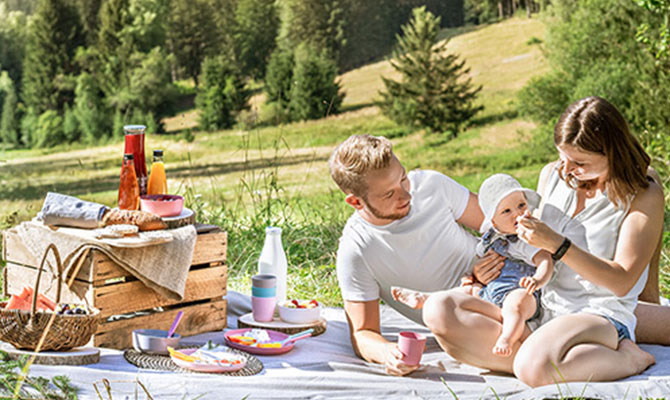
x: 41, y: 331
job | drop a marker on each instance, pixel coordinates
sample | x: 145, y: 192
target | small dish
x: 154, y: 341
x: 163, y: 205
x: 300, y: 311
x: 264, y: 351
x: 201, y: 366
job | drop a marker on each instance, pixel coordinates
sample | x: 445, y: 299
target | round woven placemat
x: 164, y: 363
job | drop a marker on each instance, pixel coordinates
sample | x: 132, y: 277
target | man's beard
x: 392, y: 216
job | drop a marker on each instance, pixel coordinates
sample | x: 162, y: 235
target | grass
x: 245, y: 179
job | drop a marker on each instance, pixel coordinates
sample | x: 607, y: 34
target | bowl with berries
x: 300, y: 311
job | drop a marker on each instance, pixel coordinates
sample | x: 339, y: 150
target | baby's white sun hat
x: 497, y: 187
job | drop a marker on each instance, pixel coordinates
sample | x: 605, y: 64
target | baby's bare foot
x: 409, y: 297
x: 502, y: 348
x: 639, y: 358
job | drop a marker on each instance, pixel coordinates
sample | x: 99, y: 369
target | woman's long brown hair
x: 594, y: 125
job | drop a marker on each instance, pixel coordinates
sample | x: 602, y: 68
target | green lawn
x: 245, y: 179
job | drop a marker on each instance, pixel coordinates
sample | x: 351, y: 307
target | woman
x: 602, y: 219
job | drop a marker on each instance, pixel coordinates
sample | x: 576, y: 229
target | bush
x: 315, y: 93
x: 49, y: 130
x: 222, y: 94
x: 544, y: 98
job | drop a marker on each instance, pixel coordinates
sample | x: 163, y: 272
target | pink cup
x: 263, y: 308
x: 411, y: 345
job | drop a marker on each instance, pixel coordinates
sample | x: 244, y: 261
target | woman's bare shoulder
x: 650, y: 199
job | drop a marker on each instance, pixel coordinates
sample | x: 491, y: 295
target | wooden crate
x: 129, y: 303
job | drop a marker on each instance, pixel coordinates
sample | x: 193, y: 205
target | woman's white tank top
x: 595, y: 229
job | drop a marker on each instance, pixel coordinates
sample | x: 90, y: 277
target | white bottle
x: 273, y: 260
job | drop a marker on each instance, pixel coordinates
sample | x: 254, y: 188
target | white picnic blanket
x: 325, y: 367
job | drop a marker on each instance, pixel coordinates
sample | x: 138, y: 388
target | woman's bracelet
x: 560, y: 252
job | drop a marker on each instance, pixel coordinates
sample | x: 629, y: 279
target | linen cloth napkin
x: 61, y: 209
x: 161, y: 267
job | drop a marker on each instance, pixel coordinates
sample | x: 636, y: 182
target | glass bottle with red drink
x: 129, y: 191
x: 134, y: 135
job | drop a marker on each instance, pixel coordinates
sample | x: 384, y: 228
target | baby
x: 503, y: 200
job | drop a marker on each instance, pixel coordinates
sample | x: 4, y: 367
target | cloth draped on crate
x: 162, y: 267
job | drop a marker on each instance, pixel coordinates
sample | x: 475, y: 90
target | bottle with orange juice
x: 157, y: 179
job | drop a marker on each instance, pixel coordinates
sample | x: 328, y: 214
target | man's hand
x: 488, y: 267
x: 393, y: 362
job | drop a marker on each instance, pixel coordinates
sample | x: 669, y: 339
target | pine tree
x: 315, y: 92
x: 257, y: 24
x: 54, y: 35
x: 320, y: 23
x: 192, y: 34
x: 434, y: 92
x: 9, y: 124
x: 222, y: 94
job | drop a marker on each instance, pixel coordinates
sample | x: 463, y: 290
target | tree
x: 255, y: 36
x: 54, y: 35
x: 279, y: 76
x: 12, y: 42
x: 9, y: 122
x: 315, y: 93
x: 192, y: 34
x: 320, y: 23
x: 89, y: 11
x: 434, y: 92
x: 222, y: 94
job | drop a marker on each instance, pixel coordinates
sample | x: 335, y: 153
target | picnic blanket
x: 162, y: 267
x: 325, y: 367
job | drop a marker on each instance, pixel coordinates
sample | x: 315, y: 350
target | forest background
x: 249, y: 97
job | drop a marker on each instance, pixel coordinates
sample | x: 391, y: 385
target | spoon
x: 300, y: 335
x: 177, y: 319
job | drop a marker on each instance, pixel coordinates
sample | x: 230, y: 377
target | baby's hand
x: 529, y: 283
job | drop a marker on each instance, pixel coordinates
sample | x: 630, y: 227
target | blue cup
x: 263, y: 292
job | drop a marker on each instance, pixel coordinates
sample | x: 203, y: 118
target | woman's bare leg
x: 653, y: 323
x: 517, y: 308
x: 467, y: 328
x: 578, y: 347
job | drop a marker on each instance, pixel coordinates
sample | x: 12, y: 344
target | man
x: 406, y: 231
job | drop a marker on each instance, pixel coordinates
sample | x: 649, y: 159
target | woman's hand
x: 488, y: 267
x: 536, y: 233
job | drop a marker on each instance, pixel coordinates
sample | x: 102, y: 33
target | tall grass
x: 311, y: 225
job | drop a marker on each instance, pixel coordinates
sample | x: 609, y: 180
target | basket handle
x: 59, y: 265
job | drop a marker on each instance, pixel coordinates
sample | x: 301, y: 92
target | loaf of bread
x: 144, y: 220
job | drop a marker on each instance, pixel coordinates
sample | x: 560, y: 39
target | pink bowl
x: 163, y: 205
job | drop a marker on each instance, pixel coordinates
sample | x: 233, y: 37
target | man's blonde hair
x: 354, y: 158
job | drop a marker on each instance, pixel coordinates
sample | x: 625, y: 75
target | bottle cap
x: 158, y: 153
x: 134, y: 129
x: 128, y: 156
x: 272, y: 230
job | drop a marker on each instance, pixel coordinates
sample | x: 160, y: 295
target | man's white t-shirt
x: 427, y: 250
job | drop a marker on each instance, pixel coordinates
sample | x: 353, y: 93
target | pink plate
x: 266, y: 351
x: 202, y: 367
